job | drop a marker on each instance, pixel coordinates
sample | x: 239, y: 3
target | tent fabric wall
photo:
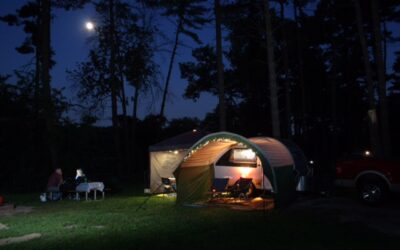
x: 194, y: 183
x: 278, y: 155
x: 276, y: 160
x: 163, y: 164
x: 286, y: 185
x: 165, y: 156
x: 283, y: 164
x: 300, y: 160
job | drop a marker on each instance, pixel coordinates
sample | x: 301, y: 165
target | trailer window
x: 238, y: 158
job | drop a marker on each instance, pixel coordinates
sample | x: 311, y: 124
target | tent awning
x: 182, y: 141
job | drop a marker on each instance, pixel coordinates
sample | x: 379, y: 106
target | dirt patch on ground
x: 3, y: 227
x: 12, y: 240
x: 70, y: 226
x: 11, y: 210
x: 99, y: 227
x: 385, y: 218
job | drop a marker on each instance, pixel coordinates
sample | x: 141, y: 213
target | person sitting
x: 54, y: 183
x: 80, y: 177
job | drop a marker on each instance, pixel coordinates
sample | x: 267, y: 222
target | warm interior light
x: 194, y: 130
x: 244, y: 171
x: 176, y: 152
x: 367, y: 153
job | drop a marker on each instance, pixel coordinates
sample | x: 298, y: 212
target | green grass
x: 160, y: 224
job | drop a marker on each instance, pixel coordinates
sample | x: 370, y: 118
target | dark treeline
x: 316, y: 72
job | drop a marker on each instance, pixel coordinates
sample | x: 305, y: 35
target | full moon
x: 89, y: 26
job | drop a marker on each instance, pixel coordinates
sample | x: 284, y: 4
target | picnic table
x: 87, y: 187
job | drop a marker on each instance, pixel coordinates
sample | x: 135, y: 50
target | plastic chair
x: 169, y: 187
x: 219, y: 186
x: 242, y: 188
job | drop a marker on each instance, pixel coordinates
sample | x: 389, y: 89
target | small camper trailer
x: 271, y: 165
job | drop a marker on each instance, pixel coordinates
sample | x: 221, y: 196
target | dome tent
x: 195, y: 173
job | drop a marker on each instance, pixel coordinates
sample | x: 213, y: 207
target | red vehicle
x: 373, y: 177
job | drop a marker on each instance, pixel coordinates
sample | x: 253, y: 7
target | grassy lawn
x: 115, y: 223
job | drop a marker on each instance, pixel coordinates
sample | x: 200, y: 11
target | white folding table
x: 86, y: 187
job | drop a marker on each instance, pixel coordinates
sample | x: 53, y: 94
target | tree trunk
x: 127, y: 159
x: 124, y: 133
x: 113, y: 77
x: 134, y: 123
x: 220, y: 67
x: 285, y: 57
x: 123, y: 96
x: 384, y: 38
x: 383, y: 111
x: 37, y: 94
x: 333, y: 113
x: 372, y: 122
x: 45, y: 63
x: 301, y: 71
x: 171, y: 63
x: 273, y: 88
x: 135, y: 102
x: 114, y: 87
x: 333, y: 92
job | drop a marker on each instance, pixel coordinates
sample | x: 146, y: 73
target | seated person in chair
x: 80, y: 177
x: 54, y: 183
x: 169, y: 184
x: 243, y: 188
x: 70, y: 184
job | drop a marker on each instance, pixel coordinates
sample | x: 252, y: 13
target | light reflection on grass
x: 116, y: 223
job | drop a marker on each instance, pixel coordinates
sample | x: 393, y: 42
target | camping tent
x: 166, y: 155
x: 195, y: 172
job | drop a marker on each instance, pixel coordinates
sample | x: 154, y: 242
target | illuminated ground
x: 116, y: 223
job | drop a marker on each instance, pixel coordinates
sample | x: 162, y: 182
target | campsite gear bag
x: 43, y: 197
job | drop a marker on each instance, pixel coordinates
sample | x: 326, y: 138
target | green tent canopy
x: 195, y: 173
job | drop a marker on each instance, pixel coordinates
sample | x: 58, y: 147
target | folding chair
x: 219, y: 186
x: 242, y: 188
x: 169, y: 187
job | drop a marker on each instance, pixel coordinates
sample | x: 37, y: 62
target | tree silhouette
x: 189, y: 15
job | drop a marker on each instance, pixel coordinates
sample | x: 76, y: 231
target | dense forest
x: 322, y: 73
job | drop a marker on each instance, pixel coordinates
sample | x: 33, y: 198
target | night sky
x: 70, y: 41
